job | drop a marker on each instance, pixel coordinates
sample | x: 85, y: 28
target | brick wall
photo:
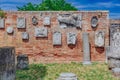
x: 42, y: 49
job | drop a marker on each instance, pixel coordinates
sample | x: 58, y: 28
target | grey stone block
x: 71, y: 38
x: 41, y: 32
x: 2, y: 23
x: 67, y: 76
x: 7, y: 63
x: 25, y: 35
x: 22, y: 61
x: 116, y: 72
x: 57, y: 38
x: 21, y: 23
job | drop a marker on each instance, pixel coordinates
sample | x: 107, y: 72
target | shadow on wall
x: 100, y: 49
x: 35, y: 72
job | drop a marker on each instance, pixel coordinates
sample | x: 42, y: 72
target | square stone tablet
x: 25, y: 35
x: 46, y: 21
x: 41, y: 32
x: 21, y: 23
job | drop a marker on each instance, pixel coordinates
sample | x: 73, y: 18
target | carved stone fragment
x: 99, y: 38
x: 22, y: 61
x: 71, y: 38
x: 21, y: 23
x: 25, y: 35
x: 34, y: 20
x: 94, y: 21
x: 69, y: 20
x: 57, y: 38
x: 2, y: 23
x: 10, y: 30
x: 41, y: 32
x: 46, y: 21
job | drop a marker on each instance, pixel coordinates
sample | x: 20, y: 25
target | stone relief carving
x: 22, y: 61
x: 21, y: 22
x: 70, y: 20
x: 10, y: 30
x: 99, y: 38
x: 115, y: 38
x: 94, y: 21
x: 71, y: 38
x: 25, y: 35
x: 2, y: 22
x: 41, y: 32
x: 57, y: 38
x: 34, y: 20
x: 46, y: 20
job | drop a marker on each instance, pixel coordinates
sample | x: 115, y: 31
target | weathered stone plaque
x: 99, y: 38
x: 70, y: 20
x: 22, y: 61
x: 46, y: 20
x: 71, y: 38
x: 7, y: 63
x: 41, y: 32
x: 25, y: 35
x: 94, y: 21
x: 10, y: 30
x: 57, y: 38
x: 21, y: 23
x: 34, y: 20
x: 2, y: 23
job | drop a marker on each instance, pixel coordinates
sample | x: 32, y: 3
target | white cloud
x: 99, y: 5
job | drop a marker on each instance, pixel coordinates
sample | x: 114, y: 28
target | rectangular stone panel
x: 2, y: 23
x: 46, y: 21
x: 25, y: 35
x: 71, y: 38
x: 99, y: 39
x: 7, y: 63
x: 57, y: 38
x: 41, y: 32
x: 21, y: 23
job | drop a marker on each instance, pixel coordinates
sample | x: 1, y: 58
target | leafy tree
x: 48, y: 5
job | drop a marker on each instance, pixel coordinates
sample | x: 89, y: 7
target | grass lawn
x: 96, y: 71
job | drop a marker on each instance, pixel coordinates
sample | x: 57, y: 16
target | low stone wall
x: 32, y: 33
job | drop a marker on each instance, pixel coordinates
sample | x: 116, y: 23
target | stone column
x: 7, y: 63
x: 86, y: 48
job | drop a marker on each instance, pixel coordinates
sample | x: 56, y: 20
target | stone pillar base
x: 116, y: 72
x: 87, y: 63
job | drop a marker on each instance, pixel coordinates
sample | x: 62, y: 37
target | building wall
x: 41, y: 50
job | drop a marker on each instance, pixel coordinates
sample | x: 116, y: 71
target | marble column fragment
x: 86, y: 48
x: 7, y: 63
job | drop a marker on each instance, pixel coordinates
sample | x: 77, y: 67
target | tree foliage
x: 48, y: 5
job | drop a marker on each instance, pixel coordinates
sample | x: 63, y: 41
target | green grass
x: 96, y: 71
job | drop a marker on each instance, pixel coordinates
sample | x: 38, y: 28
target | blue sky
x: 112, y: 5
